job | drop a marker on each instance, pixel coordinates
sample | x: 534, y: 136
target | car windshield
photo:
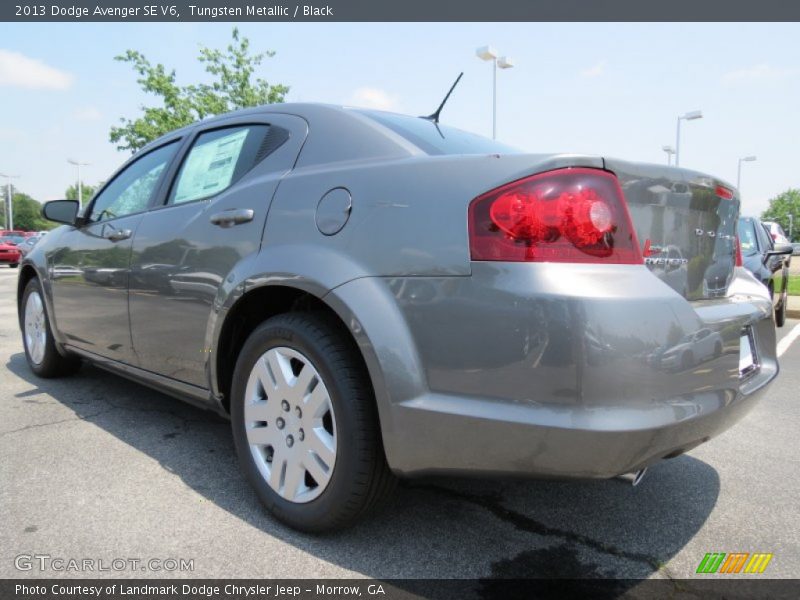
x: 435, y: 138
x: 12, y: 239
x: 747, y: 237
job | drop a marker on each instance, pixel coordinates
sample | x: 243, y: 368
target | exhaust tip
x: 639, y: 475
x: 634, y: 478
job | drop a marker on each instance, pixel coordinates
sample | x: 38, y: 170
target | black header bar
x: 399, y: 10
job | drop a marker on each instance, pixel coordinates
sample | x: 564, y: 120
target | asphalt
x: 96, y: 467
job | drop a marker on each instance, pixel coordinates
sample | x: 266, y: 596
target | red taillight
x: 568, y: 215
x: 724, y: 193
x: 739, y: 260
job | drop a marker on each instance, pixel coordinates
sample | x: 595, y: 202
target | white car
x: 776, y: 231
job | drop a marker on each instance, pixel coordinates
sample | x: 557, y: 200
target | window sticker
x: 209, y: 167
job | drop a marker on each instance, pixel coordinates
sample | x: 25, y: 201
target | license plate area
x: 748, y: 358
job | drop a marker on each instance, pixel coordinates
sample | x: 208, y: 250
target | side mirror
x: 780, y: 249
x: 61, y: 211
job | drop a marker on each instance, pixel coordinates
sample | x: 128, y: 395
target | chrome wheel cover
x: 290, y: 424
x: 35, y: 328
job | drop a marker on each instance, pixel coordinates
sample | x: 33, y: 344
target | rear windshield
x: 747, y: 237
x: 434, y: 138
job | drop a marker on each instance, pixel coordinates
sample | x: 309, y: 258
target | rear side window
x: 218, y: 158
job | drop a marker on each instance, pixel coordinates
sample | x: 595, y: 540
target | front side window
x: 216, y: 160
x: 131, y: 190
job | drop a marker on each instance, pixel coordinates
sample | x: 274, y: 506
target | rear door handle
x: 229, y: 218
x: 119, y: 234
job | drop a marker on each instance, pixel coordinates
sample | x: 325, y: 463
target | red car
x: 9, y: 253
x: 6, y: 232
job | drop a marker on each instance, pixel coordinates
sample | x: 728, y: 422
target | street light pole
x: 791, y: 226
x: 739, y: 169
x: 503, y: 62
x: 689, y: 116
x: 9, y: 201
x: 494, y: 99
x: 79, y: 164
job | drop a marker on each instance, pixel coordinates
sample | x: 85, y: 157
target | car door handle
x: 119, y: 234
x: 229, y: 218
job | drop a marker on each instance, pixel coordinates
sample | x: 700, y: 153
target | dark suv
x: 768, y: 260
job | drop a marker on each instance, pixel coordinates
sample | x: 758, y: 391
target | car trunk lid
x: 686, y: 224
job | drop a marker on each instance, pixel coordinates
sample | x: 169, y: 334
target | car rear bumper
x: 10, y: 258
x: 553, y: 370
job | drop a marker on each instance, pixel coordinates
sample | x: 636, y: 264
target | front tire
x: 14, y: 266
x: 305, y: 424
x: 780, y: 313
x: 37, y: 337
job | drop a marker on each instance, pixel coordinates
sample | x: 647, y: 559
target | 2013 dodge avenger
x: 370, y: 295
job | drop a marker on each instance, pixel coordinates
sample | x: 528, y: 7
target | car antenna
x: 435, y: 116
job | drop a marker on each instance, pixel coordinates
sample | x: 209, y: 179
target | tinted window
x: 131, y: 190
x: 216, y: 160
x: 747, y: 237
x: 437, y: 138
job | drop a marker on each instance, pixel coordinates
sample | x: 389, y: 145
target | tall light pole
x: 739, y: 169
x: 670, y: 151
x: 79, y: 164
x: 791, y: 226
x: 503, y: 62
x: 9, y: 201
x: 689, y: 116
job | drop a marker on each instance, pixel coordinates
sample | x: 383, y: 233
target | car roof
x: 305, y: 110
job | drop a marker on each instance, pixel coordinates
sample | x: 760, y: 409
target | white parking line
x: 787, y: 340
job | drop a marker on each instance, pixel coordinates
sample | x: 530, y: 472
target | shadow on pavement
x: 432, y: 528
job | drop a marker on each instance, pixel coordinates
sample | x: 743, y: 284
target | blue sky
x: 609, y: 89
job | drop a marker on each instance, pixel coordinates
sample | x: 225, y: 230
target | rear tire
x: 14, y: 266
x: 305, y: 424
x: 37, y: 337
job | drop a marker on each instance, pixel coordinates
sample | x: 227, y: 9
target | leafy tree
x: 233, y: 86
x: 87, y: 191
x: 27, y: 212
x: 784, y: 204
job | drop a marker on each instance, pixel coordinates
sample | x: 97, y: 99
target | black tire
x: 14, y: 266
x: 53, y: 363
x: 361, y: 478
x: 780, y: 312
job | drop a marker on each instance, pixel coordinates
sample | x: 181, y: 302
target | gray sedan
x: 370, y: 295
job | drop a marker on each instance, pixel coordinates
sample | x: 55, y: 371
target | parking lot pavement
x: 96, y: 467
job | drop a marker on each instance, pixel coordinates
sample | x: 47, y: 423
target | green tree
x: 233, y: 86
x: 87, y: 191
x: 27, y: 212
x: 781, y: 206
